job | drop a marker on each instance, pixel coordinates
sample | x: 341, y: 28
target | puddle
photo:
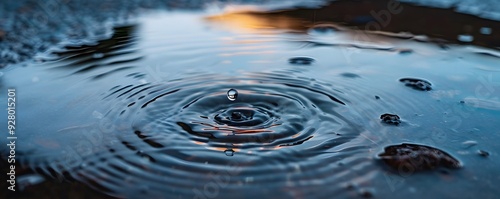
x: 261, y: 104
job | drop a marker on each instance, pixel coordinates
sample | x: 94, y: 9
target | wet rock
x: 483, y: 153
x: 414, y: 157
x: 417, y: 84
x: 390, y: 119
x: 301, y: 60
x: 377, y: 97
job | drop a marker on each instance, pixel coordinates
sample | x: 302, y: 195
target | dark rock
x: 390, y: 119
x: 377, y: 97
x: 415, y: 157
x: 417, y: 84
x: 483, y: 153
x: 301, y: 60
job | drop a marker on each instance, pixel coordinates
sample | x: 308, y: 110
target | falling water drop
x: 232, y: 94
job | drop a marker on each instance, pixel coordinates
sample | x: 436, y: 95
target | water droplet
x: 232, y: 94
x: 229, y: 152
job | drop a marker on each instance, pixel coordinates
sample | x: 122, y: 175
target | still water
x: 204, y: 105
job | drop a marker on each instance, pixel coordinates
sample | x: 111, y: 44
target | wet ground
x: 238, y: 103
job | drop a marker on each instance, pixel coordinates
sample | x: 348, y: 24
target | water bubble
x: 229, y: 152
x: 232, y: 94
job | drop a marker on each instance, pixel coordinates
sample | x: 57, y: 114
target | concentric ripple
x: 185, y: 138
x: 268, y: 112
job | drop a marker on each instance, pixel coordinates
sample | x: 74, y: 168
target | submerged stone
x: 418, y: 84
x: 414, y: 157
x: 390, y: 119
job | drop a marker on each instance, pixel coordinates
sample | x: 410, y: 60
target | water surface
x: 146, y: 112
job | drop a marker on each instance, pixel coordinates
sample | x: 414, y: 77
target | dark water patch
x: 417, y: 84
x: 413, y: 157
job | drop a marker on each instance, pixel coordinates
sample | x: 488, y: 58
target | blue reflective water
x: 146, y: 113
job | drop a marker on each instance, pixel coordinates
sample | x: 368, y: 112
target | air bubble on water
x: 232, y: 94
x: 229, y: 152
